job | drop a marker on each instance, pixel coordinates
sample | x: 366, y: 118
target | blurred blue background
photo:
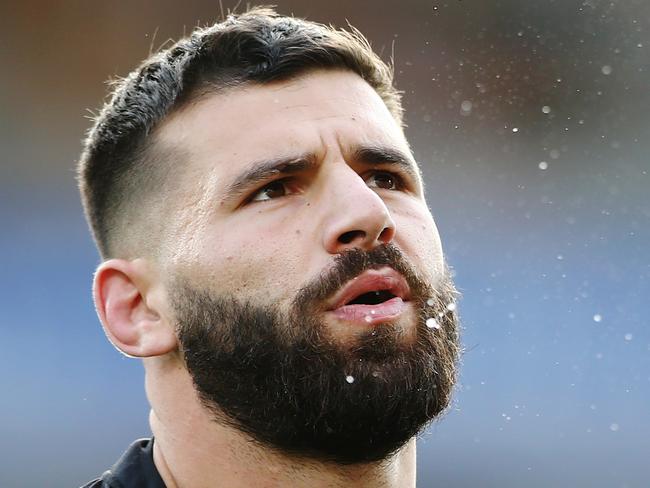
x: 531, y: 121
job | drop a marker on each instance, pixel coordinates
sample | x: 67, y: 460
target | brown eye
x: 275, y: 189
x: 383, y: 180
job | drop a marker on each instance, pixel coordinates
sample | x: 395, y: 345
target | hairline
x: 111, y: 213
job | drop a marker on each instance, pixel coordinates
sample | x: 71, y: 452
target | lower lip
x: 371, y: 314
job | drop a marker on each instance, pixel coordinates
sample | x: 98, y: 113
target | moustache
x: 352, y: 263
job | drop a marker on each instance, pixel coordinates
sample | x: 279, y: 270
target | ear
x: 132, y: 308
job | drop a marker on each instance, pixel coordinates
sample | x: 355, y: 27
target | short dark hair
x: 121, y: 166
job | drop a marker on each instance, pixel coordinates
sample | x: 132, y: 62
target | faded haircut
x: 124, y: 172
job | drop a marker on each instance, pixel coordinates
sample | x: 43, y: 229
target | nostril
x: 386, y: 234
x: 348, y: 237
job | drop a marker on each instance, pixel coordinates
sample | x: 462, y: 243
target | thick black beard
x: 281, y: 378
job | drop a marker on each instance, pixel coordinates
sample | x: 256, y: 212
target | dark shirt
x: 135, y: 469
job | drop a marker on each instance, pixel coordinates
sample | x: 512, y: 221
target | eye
x: 384, y: 180
x: 275, y: 189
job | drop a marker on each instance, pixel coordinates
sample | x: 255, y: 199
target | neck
x: 193, y: 450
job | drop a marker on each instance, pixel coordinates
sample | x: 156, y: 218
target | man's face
x: 301, y: 201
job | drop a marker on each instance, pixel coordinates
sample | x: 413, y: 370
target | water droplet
x: 349, y: 379
x: 368, y: 318
x: 607, y: 69
x: 515, y: 129
x: 639, y: 45
x: 628, y: 337
x: 466, y: 107
x: 546, y: 109
x: 451, y: 306
x: 373, y: 312
x: 560, y: 257
x: 614, y: 427
x: 430, y: 302
x: 432, y: 323
x: 543, y: 165
x: 598, y: 317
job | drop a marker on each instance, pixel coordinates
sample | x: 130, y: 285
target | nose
x: 357, y: 217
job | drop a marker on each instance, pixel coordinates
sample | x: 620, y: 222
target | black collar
x: 135, y: 469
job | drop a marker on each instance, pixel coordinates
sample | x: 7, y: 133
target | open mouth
x: 372, y: 287
x: 375, y: 296
x: 372, y: 298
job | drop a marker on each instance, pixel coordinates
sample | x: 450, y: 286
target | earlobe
x: 130, y: 311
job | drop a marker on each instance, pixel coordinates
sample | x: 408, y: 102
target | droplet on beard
x: 432, y: 323
x: 349, y: 379
x: 431, y: 302
x: 451, y: 306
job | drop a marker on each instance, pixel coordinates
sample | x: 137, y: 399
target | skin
x: 264, y: 244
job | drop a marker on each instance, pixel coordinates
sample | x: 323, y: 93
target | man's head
x: 268, y: 224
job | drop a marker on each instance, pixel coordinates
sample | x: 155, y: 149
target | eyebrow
x: 266, y: 169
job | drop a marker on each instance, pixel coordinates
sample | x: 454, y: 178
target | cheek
x: 252, y: 258
x: 418, y: 236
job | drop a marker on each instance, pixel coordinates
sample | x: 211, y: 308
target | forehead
x: 320, y: 112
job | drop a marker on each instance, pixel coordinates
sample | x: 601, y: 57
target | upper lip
x: 383, y: 279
